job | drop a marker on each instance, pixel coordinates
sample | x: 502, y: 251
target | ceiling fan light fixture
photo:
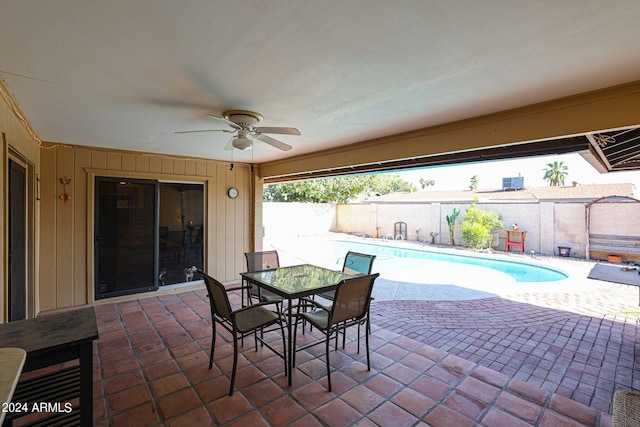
x: 244, y: 123
x: 241, y: 142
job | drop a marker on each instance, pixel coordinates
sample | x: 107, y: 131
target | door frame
x: 91, y: 193
x: 31, y: 255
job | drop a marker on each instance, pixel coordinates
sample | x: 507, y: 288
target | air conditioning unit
x: 515, y: 183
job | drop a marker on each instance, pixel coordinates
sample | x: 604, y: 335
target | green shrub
x: 477, y: 225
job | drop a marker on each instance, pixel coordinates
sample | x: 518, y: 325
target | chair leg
x: 344, y: 335
x: 327, y: 357
x: 242, y: 291
x: 279, y: 312
x: 366, y: 340
x: 235, y: 364
x: 213, y: 344
x: 304, y: 321
x: 284, y: 347
x: 367, y: 325
x: 293, y: 345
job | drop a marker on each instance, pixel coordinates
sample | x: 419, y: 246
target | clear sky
x: 490, y: 174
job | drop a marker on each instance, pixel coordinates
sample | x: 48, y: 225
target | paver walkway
x: 583, y: 356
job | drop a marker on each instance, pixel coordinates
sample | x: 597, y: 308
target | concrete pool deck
x: 576, y: 337
x: 438, y: 281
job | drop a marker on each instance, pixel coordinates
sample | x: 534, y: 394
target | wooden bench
x: 610, y: 244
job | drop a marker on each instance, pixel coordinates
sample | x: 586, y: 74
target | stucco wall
x: 548, y: 224
x: 569, y: 220
x: 296, y: 219
x: 616, y: 218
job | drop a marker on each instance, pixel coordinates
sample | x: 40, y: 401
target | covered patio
x: 91, y: 92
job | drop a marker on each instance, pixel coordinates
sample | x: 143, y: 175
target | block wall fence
x: 548, y: 225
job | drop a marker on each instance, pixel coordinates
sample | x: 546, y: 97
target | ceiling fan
x: 244, y: 123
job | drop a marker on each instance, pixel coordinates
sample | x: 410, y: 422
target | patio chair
x: 350, y: 307
x: 240, y: 323
x: 626, y: 408
x: 355, y: 263
x: 258, y: 261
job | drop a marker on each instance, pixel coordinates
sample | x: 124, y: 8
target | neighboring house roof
x: 573, y: 193
x: 582, y: 192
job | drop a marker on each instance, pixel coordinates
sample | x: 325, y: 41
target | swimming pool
x: 520, y: 271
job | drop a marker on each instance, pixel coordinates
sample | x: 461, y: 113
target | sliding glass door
x: 181, y: 231
x: 126, y: 236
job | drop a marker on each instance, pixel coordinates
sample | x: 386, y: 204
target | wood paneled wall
x: 18, y: 144
x: 66, y: 244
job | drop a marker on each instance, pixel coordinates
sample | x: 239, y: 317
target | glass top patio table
x: 296, y: 281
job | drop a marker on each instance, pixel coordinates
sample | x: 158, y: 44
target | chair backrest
x: 358, y: 263
x: 258, y: 261
x: 352, y: 298
x: 218, y: 298
x: 400, y: 229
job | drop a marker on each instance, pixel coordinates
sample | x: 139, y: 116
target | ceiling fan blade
x: 273, y: 142
x: 206, y: 130
x: 222, y: 119
x: 282, y: 131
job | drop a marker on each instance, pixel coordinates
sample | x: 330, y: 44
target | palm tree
x: 555, y: 173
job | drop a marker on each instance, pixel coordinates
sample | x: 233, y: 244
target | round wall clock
x: 233, y: 192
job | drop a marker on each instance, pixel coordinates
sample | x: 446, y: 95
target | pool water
x: 520, y: 271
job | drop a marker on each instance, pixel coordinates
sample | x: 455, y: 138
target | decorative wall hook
x: 65, y: 197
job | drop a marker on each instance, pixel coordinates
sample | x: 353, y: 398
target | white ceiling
x: 127, y: 74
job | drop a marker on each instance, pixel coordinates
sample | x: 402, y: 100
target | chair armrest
x: 237, y: 288
x: 252, y: 306
x: 307, y: 302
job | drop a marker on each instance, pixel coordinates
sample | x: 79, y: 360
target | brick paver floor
x: 152, y: 369
x: 581, y: 345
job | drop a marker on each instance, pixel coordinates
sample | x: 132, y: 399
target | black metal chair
x: 400, y: 230
x: 355, y: 263
x: 350, y: 307
x: 240, y: 323
x: 258, y: 261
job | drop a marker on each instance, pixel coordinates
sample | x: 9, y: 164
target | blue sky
x: 490, y: 174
